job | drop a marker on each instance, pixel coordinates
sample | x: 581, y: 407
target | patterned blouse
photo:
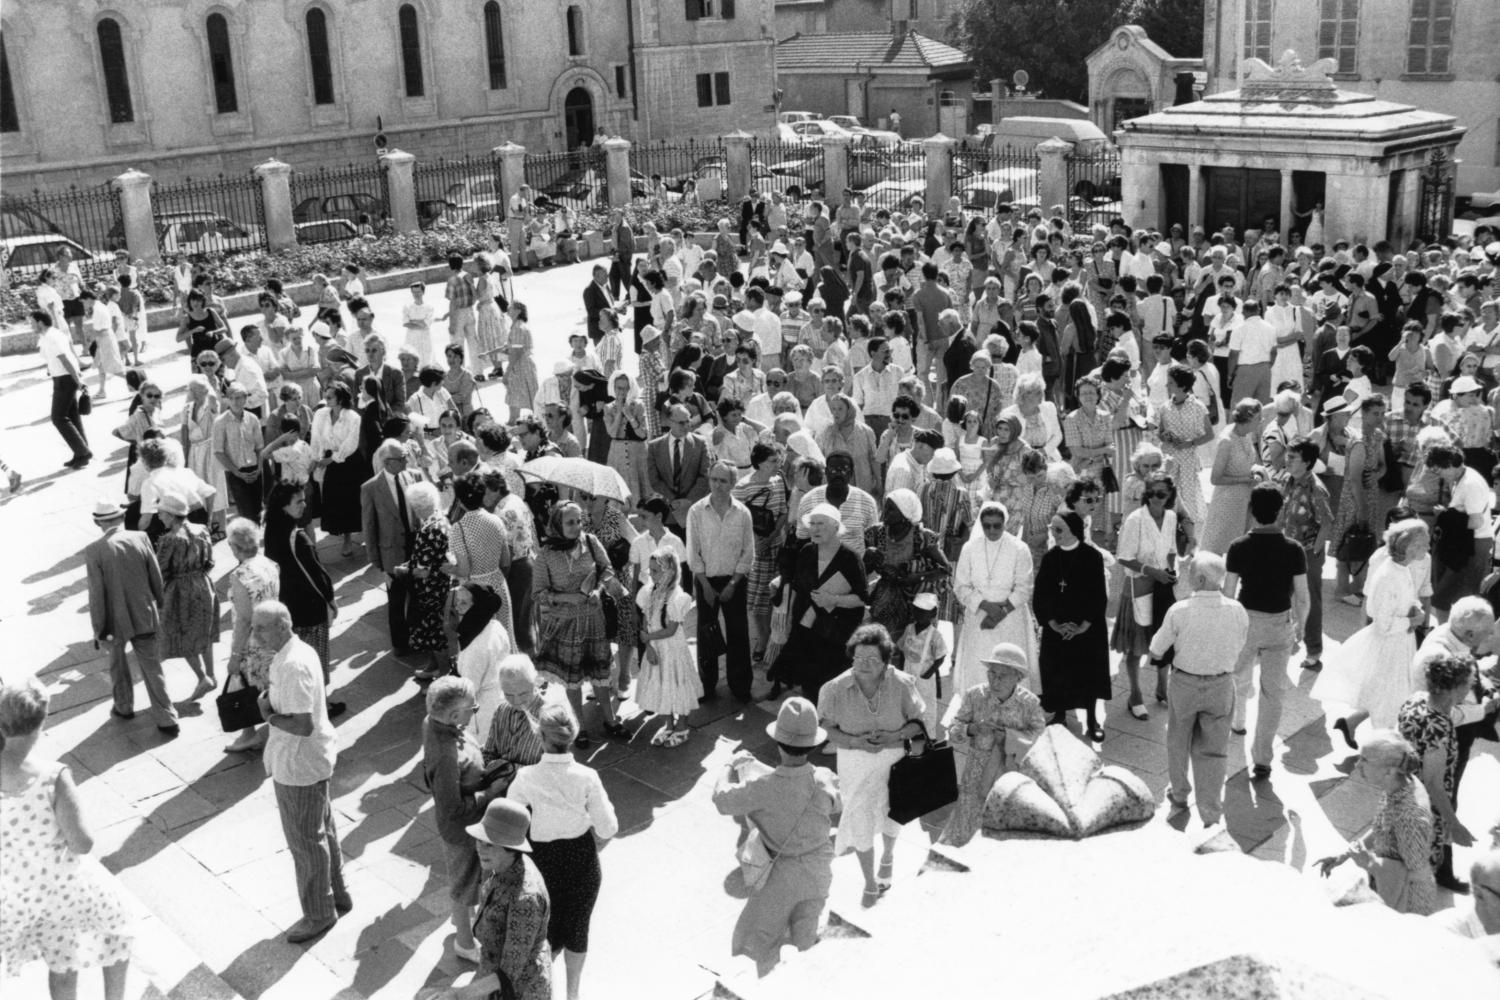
x: 1402, y: 831
x: 511, y: 929
x: 1088, y: 430
x: 1428, y: 731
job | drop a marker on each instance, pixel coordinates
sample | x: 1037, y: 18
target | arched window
x: 494, y: 45
x: 116, y: 78
x: 10, y: 121
x: 317, y: 52
x: 221, y: 65
x: 575, y: 31
x: 411, y: 50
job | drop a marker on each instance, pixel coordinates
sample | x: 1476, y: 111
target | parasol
x: 578, y: 474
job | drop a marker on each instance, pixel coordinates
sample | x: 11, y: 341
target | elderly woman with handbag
x: 253, y: 580
x: 870, y: 710
x: 786, y: 859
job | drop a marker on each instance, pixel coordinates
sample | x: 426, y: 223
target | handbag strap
x: 806, y: 805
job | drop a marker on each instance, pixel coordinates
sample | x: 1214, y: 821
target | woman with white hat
x: 791, y: 808
x: 982, y: 722
x: 510, y: 925
x: 828, y: 594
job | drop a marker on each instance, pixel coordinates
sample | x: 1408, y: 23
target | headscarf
x: 907, y: 503
x: 474, y: 621
x: 989, y: 506
x: 846, y: 425
x: 830, y: 278
x: 827, y: 511
x: 632, y: 393
x: 1016, y: 444
x: 555, y: 537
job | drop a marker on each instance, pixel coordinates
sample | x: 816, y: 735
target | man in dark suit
x: 392, y: 381
x: 624, y: 240
x: 596, y: 299
x: 125, y: 595
x: 388, y: 531
x: 677, y: 466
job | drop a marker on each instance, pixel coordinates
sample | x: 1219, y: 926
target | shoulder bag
x: 923, y: 781
x: 238, y: 709
x: 1356, y: 547
x: 755, y: 858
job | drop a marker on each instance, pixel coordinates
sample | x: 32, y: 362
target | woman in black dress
x: 201, y: 327
x: 640, y: 299
x: 1069, y: 599
x: 306, y: 589
x: 829, y: 592
x: 833, y: 290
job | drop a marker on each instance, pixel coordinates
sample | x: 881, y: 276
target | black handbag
x: 238, y: 709
x: 922, y: 782
x: 1356, y: 547
x: 85, y: 403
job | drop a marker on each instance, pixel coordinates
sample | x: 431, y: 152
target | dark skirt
x: 1075, y: 673
x: 570, y: 869
x: 1129, y: 636
x: 810, y: 660
x: 340, y: 496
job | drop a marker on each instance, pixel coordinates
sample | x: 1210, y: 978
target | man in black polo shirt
x: 1269, y: 571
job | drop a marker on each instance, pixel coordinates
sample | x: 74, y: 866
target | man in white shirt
x: 299, y: 755
x: 1251, y: 346
x: 1471, y: 494
x: 237, y: 444
x: 67, y: 379
x: 721, y: 549
x: 1158, y: 313
x: 876, y: 386
x: 767, y: 329
x: 908, y: 469
x: 265, y: 358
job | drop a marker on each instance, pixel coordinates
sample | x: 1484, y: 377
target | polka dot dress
x: 54, y: 904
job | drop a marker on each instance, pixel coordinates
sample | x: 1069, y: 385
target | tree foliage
x: 1050, y: 39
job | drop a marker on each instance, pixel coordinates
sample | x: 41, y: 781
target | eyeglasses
x: 1159, y: 494
x: 775, y: 383
x: 153, y: 395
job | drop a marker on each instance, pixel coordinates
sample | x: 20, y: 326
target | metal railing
x: 984, y: 177
x: 225, y: 214
x: 576, y: 180
x: 466, y: 189
x: 37, y: 226
x: 1093, y: 187
x: 330, y: 204
x: 676, y: 162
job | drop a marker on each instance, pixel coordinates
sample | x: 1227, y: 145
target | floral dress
x: 1374, y: 465
x: 429, y: 594
x: 1185, y: 419
x: 1005, y: 480
x: 520, y: 377
x: 650, y: 385
x: 905, y: 567
x: 189, y: 608
x: 461, y: 386
x: 948, y: 512
x: 252, y: 581
x: 510, y: 927
x: 1088, y: 430
x: 489, y: 321
x: 985, y: 759
x: 54, y: 905
x: 609, y: 526
x: 1426, y: 731
x: 1400, y: 838
x: 770, y: 496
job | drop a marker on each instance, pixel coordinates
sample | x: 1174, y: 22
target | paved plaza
x: 194, y: 834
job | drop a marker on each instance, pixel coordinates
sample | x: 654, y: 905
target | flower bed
x: 233, y: 273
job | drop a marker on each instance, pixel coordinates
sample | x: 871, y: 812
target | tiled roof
x: 867, y: 49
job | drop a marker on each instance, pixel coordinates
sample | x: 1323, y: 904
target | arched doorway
x: 578, y: 117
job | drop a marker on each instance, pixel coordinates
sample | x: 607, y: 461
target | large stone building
x: 816, y: 17
x: 178, y: 87
x: 1439, y: 55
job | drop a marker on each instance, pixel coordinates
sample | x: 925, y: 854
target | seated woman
x: 1394, y: 850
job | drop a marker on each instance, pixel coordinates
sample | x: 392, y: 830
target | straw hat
x: 1010, y: 656
x: 505, y: 824
x: 1463, y: 384
x: 796, y: 724
x: 108, y: 510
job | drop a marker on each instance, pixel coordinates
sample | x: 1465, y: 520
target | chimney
x: 899, y: 26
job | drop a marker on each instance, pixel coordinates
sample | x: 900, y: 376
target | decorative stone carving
x: 1289, y: 81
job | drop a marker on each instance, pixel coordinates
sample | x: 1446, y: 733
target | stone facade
x: 814, y: 17
x: 1376, y: 58
x: 1130, y: 75
x: 286, y: 109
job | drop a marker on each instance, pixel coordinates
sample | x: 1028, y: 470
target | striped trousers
x: 307, y: 822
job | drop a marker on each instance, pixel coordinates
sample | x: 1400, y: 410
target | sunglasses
x: 1159, y: 495
x: 776, y: 383
x: 153, y: 395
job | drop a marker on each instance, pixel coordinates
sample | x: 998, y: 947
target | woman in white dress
x: 198, y: 415
x: 993, y: 584
x: 669, y: 684
x: 1371, y: 672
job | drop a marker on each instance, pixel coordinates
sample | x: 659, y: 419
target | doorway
x: 1240, y: 197
x: 1174, y: 201
x: 578, y: 117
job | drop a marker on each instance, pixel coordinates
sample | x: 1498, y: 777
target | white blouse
x: 1143, y: 541
x: 341, y: 438
x: 566, y: 799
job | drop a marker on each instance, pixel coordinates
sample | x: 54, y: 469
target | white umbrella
x: 578, y: 474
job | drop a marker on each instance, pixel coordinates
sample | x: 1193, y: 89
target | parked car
x: 434, y: 210
x: 1467, y: 227
x: 1009, y: 185
x: 793, y: 117
x: 19, y: 219
x: 786, y: 134
x: 474, y: 199
x: 817, y: 128
x: 204, y: 232
x: 866, y: 167
x: 864, y: 135
x: 25, y: 256
x: 325, y: 231
x: 894, y: 196
x: 589, y: 188
x: 339, y: 206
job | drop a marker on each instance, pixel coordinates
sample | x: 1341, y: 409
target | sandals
x: 871, y: 897
x: 660, y: 737
x: 1353, y: 600
x: 1138, y: 711
x: 678, y: 737
x: 883, y: 876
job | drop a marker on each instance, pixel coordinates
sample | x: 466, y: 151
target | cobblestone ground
x: 194, y: 835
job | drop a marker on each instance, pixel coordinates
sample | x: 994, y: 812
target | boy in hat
x: 922, y: 652
x: 791, y: 809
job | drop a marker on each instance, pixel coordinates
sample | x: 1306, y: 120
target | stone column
x: 1052, y: 185
x: 1195, y: 197
x: 939, y: 173
x: 1284, y: 222
x: 835, y: 169
x: 512, y: 158
x: 736, y: 166
x: 402, y: 188
x: 136, y: 216
x: 617, y: 166
x: 276, y: 199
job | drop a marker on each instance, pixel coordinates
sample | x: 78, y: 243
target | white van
x: 1023, y: 132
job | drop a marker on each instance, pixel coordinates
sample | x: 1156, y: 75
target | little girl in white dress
x: 668, y: 683
x: 971, y: 455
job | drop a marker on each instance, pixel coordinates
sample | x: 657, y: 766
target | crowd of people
x: 932, y: 471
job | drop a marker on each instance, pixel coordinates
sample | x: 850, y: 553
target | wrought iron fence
x: 676, y: 162
x: 338, y: 203
x: 793, y: 168
x: 38, y: 225
x: 1435, y: 209
x: 466, y: 189
x: 985, y: 176
x: 576, y: 180
x: 1093, y: 187
x: 222, y: 215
